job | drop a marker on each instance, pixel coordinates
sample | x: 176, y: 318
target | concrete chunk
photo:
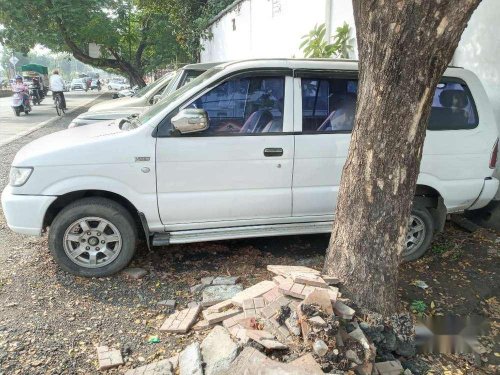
x: 321, y: 298
x: 389, y: 368
x: 264, y: 338
x: 190, y: 362
x: 219, y: 293
x: 226, y: 280
x: 218, y: 351
x: 308, y: 363
x: 163, y: 367
x: 342, y: 310
x: 221, y: 306
x: 309, y: 279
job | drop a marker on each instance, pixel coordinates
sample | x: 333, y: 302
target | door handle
x: 273, y: 152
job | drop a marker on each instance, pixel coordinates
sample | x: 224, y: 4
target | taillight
x: 494, y: 156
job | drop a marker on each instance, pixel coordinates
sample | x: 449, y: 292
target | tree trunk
x: 404, y: 48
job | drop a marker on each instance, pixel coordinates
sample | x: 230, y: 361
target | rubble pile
x: 298, y: 323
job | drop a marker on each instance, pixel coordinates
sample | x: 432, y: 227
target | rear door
x: 324, y: 115
x: 239, y: 170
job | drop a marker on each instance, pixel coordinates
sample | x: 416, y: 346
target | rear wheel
x: 17, y: 111
x: 420, y: 233
x: 58, y: 105
x: 93, y: 237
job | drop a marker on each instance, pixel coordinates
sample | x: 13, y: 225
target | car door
x: 239, y: 170
x: 324, y: 116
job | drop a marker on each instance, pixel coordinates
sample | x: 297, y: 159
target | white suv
x: 249, y: 148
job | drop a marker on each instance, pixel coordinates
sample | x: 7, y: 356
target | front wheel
x: 93, y: 237
x: 419, y: 235
x: 17, y: 111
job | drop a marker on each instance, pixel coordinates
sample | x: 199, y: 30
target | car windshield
x: 158, y: 107
x: 152, y: 86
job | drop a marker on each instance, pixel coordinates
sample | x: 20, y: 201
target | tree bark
x: 404, y: 48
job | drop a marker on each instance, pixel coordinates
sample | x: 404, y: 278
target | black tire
x: 424, y: 216
x: 93, y: 207
x: 58, y: 106
x: 26, y: 112
x: 17, y: 111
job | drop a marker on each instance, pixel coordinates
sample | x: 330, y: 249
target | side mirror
x: 156, y: 98
x: 190, y: 120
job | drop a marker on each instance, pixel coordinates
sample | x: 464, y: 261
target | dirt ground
x: 51, y: 322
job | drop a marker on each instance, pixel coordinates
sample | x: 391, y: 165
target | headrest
x: 453, y: 98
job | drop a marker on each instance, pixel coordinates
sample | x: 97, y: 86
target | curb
x: 43, y: 124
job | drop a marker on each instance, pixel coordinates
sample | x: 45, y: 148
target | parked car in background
x: 118, y: 84
x: 143, y: 98
x: 247, y: 149
x: 78, y: 84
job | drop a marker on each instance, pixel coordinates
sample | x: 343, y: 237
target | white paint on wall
x: 263, y: 28
x: 479, y: 50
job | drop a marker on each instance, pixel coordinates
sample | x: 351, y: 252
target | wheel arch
x: 428, y: 197
x: 63, y: 200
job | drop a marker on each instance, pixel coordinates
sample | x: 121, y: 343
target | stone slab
x: 181, y: 321
x: 286, y: 271
x: 190, y: 362
x: 301, y: 291
x: 254, y: 291
x: 218, y: 351
x: 202, y: 325
x: 221, y: 306
x: 389, y: 368
x: 330, y: 280
x: 309, y: 279
x: 218, y: 293
x: 266, y: 339
x: 163, y: 367
x: 307, y: 363
x: 108, y: 358
x: 252, y: 362
x: 342, y: 310
x: 226, y: 280
x: 233, y: 321
x: 217, y: 317
x: 321, y: 298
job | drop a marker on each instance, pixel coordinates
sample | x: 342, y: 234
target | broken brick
x: 216, y: 317
x: 181, y: 321
x: 108, y: 358
x: 256, y: 290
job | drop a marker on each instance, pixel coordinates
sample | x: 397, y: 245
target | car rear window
x: 328, y: 105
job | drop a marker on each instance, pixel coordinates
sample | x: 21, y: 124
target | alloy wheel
x: 92, y: 242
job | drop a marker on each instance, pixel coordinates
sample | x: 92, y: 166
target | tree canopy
x: 135, y: 36
x: 133, y: 39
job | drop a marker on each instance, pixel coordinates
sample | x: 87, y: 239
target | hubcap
x: 415, y: 235
x: 92, y: 242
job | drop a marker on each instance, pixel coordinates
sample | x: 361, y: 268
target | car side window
x: 453, y: 107
x: 244, y: 106
x: 328, y: 105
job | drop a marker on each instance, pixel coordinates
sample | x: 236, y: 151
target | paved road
x: 12, y: 126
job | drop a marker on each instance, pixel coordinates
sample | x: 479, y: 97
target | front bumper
x: 490, y: 188
x: 25, y: 213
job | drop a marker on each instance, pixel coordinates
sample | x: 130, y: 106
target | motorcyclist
x: 56, y: 84
x: 37, y: 88
x: 20, y: 87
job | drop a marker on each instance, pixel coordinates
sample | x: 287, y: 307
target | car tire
x: 420, y: 217
x: 82, y: 220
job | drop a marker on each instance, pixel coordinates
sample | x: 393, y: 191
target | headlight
x: 19, y: 175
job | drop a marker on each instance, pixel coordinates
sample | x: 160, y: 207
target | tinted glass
x: 244, y: 105
x: 452, y: 108
x: 328, y: 105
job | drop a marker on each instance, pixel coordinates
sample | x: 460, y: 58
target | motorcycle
x: 35, y: 96
x: 19, y: 104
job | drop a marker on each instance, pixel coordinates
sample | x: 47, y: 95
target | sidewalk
x: 13, y: 127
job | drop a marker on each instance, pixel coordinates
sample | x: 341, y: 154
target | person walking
x: 56, y: 84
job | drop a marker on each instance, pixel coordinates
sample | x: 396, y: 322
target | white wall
x: 479, y: 49
x: 264, y: 28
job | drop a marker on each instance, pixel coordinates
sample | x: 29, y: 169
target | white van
x: 249, y: 148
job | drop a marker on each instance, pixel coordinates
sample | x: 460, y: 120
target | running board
x: 215, y: 234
